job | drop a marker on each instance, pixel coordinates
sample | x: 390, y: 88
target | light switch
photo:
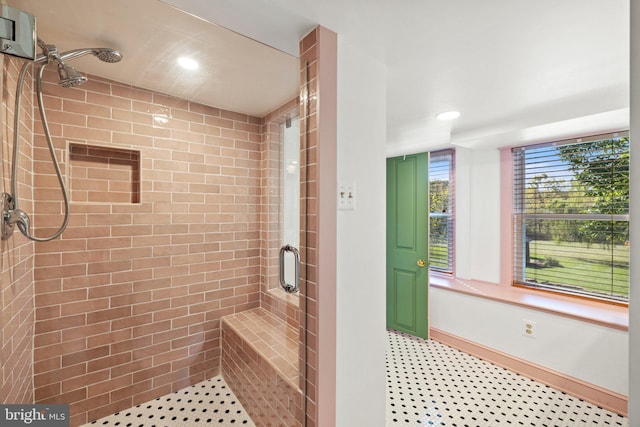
x: 347, y: 197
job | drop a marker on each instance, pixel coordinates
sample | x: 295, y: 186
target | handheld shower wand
x: 69, y: 77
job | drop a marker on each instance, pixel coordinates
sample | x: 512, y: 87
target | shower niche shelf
x: 100, y: 174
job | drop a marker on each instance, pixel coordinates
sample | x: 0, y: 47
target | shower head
x: 69, y: 76
x: 107, y: 55
x: 50, y: 52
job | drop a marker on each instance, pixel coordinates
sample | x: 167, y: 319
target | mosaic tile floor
x: 210, y: 402
x: 429, y: 383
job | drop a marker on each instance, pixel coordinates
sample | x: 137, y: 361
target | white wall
x: 462, y: 182
x: 582, y: 350
x: 361, y: 257
x: 592, y: 353
x: 477, y: 181
x: 634, y: 304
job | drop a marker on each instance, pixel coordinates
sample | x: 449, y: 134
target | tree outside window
x: 571, y: 216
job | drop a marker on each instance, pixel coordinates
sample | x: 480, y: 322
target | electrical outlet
x: 529, y: 328
x: 347, y: 197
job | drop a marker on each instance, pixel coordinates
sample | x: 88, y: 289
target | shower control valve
x: 12, y: 216
x: 7, y: 209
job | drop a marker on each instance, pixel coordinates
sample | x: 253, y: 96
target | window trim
x: 507, y: 224
x: 452, y: 214
x: 506, y: 216
x: 614, y: 316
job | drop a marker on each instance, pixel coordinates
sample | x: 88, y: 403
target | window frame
x: 515, y: 241
x: 450, y: 215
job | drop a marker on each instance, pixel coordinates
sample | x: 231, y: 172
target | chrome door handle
x: 296, y: 255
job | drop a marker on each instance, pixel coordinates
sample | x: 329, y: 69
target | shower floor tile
x: 429, y: 383
x: 210, y: 402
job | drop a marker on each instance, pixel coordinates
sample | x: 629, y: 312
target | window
x: 441, y: 218
x: 571, y: 216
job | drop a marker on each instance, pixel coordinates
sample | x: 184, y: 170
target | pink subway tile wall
x: 129, y: 299
x: 309, y: 59
x: 17, y: 313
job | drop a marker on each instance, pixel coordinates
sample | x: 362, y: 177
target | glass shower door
x: 261, y: 346
x: 289, y: 251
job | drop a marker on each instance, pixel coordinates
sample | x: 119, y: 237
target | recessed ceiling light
x: 187, y: 63
x: 448, y: 115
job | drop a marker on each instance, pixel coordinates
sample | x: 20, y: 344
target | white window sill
x: 601, y: 313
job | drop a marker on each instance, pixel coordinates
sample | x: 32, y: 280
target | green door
x: 407, y: 244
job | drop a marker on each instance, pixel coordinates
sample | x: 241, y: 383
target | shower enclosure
x: 263, y: 357
x: 168, y: 272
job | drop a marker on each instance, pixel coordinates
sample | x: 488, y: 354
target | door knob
x: 421, y: 263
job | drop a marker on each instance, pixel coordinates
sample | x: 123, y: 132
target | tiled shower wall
x: 16, y: 280
x: 309, y: 360
x: 318, y: 67
x: 129, y: 300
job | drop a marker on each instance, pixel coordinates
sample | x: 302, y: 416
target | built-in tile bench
x: 260, y: 364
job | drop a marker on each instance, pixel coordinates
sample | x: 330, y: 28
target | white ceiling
x: 517, y: 70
